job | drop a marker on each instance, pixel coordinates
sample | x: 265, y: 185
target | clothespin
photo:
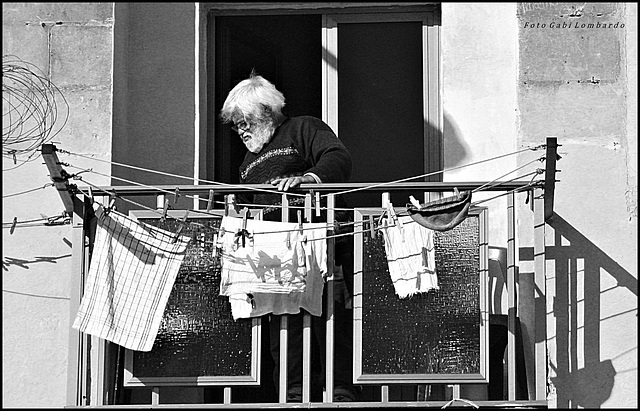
x: 244, y: 233
x: 112, y: 203
x: 164, y: 210
x: 415, y: 202
x: 230, y: 202
x: 176, y: 195
x: 210, y: 201
x: 183, y: 222
x: 287, y: 241
x: 300, y: 230
x: 13, y: 225
x: 219, y: 242
x: 244, y: 219
x: 392, y: 218
x: 391, y: 215
x: 372, y: 227
x: 317, y: 204
x: 307, y: 207
x: 252, y: 301
x: 91, y: 199
x: 385, y: 206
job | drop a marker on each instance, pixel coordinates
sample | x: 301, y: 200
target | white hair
x: 253, y: 99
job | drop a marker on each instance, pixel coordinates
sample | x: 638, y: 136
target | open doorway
x: 384, y: 108
x: 284, y: 49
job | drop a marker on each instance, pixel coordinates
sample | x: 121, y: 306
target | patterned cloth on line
x: 278, y: 269
x: 411, y: 257
x: 132, y: 272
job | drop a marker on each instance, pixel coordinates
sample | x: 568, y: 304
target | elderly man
x: 286, y: 152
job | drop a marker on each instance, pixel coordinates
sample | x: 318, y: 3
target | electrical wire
x: 28, y: 191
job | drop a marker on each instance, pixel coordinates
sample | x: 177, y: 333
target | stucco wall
x: 154, y: 86
x: 508, y: 83
x: 479, y: 63
x: 71, y: 43
x: 573, y: 83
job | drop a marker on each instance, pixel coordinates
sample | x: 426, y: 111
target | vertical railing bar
x: 284, y: 323
x: 155, y: 396
x: 227, y: 395
x: 306, y: 357
x: 425, y: 389
x: 511, y: 294
x: 539, y: 264
x: 455, y: 392
x: 329, y: 308
x: 97, y: 361
x: 78, y: 342
x: 357, y: 292
x: 306, y: 327
x: 384, y: 393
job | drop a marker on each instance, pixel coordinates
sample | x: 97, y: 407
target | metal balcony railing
x: 100, y: 375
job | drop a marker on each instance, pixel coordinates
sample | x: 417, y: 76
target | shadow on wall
x: 22, y: 263
x: 454, y: 150
x: 591, y: 385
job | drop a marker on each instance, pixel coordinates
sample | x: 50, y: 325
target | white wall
x: 479, y: 68
x: 72, y: 44
x: 506, y: 88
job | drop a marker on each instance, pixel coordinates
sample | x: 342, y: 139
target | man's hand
x: 285, y: 183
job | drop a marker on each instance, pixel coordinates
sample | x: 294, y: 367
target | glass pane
x: 437, y: 332
x: 198, y: 336
x: 380, y: 101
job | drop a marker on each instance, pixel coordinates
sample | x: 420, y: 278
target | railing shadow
x: 577, y: 309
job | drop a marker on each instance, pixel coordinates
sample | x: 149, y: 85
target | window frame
x: 333, y: 14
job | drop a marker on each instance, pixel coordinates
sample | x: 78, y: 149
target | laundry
x: 411, y: 257
x: 278, y: 270
x: 131, y: 275
x: 442, y: 214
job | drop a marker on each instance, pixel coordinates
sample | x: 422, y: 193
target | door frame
x: 332, y: 15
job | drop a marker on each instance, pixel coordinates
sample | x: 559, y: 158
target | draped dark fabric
x: 442, y: 214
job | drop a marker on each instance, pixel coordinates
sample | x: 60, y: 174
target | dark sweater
x: 299, y: 145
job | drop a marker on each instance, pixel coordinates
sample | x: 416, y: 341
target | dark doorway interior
x: 286, y: 50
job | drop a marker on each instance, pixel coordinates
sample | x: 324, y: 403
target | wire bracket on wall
x: 59, y: 176
x: 550, y: 176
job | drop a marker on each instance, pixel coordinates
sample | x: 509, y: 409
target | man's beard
x: 260, y: 136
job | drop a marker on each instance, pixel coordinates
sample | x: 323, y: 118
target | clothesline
x: 170, y: 174
x: 329, y: 225
x: 302, y: 195
x: 490, y: 184
x: 493, y: 183
x: 335, y: 225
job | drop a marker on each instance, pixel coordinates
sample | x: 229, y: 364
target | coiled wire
x: 31, y: 114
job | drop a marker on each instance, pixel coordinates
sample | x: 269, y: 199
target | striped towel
x: 132, y: 271
x: 411, y: 256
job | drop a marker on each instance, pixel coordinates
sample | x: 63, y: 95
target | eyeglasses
x: 241, y: 127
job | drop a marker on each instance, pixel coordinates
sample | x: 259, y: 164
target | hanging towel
x: 411, y: 257
x: 277, y: 271
x: 132, y: 271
